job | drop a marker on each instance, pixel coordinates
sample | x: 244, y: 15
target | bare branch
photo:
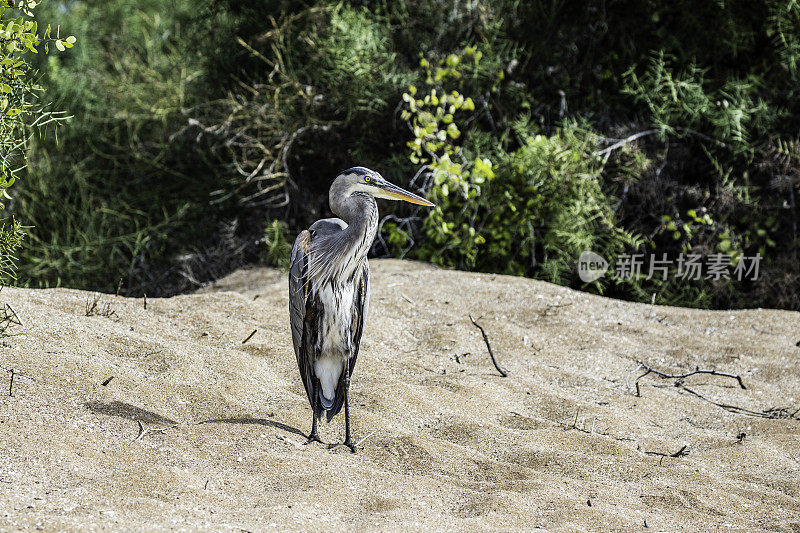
x: 144, y: 431
x: 625, y: 141
x: 250, y: 336
x: 94, y: 307
x: 503, y: 372
x: 680, y: 453
x: 774, y: 413
x: 663, y: 375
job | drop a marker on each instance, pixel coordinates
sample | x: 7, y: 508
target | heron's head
x: 360, y: 179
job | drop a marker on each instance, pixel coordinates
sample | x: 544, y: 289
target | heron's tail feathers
x: 336, y: 406
x: 324, y: 403
x: 330, y: 407
x: 338, y: 399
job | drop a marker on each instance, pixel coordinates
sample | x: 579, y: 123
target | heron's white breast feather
x: 337, y: 300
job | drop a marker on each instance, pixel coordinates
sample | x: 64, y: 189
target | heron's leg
x: 348, y: 441
x: 314, y: 436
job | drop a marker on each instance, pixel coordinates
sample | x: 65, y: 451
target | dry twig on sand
x: 503, y: 371
x: 774, y: 413
x: 591, y: 431
x: 8, y: 318
x: 14, y: 373
x: 94, y: 307
x: 680, y: 453
x: 144, y: 431
x: 364, y: 439
x: 663, y: 375
x: 250, y: 336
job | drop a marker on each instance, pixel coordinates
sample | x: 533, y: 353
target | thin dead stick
x: 663, y: 375
x: 625, y: 141
x: 143, y: 431
x: 627, y: 380
x: 607, y: 151
x: 591, y: 431
x: 503, y: 372
x: 14, y: 373
x: 406, y: 298
x: 250, y: 336
x: 680, y: 453
x: 94, y: 307
x: 365, y: 438
x: 13, y: 317
x: 775, y: 413
x: 145, y: 301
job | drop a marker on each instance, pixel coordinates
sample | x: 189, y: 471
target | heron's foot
x: 349, y: 444
x: 314, y: 438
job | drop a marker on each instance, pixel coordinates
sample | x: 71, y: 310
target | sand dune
x: 445, y: 442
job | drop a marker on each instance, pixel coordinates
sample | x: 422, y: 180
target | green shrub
x: 20, y: 115
x: 277, y: 246
x: 681, y: 104
x: 123, y: 189
x: 330, y: 75
x: 531, y: 211
x: 18, y: 90
x: 11, y: 236
x: 636, y: 127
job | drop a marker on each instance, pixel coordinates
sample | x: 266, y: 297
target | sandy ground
x: 445, y: 442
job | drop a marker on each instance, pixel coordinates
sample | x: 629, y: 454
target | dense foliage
x: 204, y: 135
x: 20, y: 116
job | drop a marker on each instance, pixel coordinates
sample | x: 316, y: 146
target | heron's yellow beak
x: 391, y: 191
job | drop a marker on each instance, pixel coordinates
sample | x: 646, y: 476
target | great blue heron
x: 329, y: 290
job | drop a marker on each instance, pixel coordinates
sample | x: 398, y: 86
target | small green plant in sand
x: 277, y: 246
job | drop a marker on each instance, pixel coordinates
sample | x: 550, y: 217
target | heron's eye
x: 367, y: 179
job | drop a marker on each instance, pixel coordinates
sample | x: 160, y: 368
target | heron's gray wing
x: 298, y: 299
x: 305, y: 310
x: 327, y: 226
x: 361, y: 306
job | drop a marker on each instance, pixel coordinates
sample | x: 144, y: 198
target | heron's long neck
x: 360, y: 211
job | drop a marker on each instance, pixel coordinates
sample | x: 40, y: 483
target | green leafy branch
x: 436, y: 119
x: 19, y: 36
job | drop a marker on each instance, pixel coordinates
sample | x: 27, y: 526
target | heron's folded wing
x: 361, y: 306
x: 298, y: 300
